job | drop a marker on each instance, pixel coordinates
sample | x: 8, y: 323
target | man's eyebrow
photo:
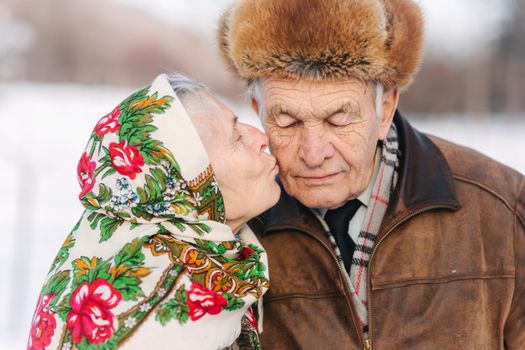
x: 276, y: 110
x: 347, y: 107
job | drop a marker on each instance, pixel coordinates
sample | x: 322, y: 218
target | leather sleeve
x: 515, y: 326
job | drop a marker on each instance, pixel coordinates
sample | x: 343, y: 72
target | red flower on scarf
x: 247, y: 252
x: 43, y: 324
x: 85, y: 169
x: 126, y: 159
x: 108, y: 123
x: 90, y: 314
x: 202, y: 300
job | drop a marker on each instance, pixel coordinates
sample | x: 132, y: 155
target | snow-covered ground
x: 43, y: 132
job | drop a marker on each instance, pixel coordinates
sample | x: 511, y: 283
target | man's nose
x: 314, y: 148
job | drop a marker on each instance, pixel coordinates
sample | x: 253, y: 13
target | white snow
x: 43, y: 132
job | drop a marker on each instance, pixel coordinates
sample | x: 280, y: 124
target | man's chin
x: 320, y: 199
x: 329, y: 196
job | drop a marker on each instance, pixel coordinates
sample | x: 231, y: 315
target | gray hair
x: 255, y: 91
x: 195, y: 98
x: 184, y: 86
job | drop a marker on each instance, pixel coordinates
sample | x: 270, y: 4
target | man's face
x: 324, y: 135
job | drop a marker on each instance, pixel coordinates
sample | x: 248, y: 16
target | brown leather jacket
x: 447, y: 272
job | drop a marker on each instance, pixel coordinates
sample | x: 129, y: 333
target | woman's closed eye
x: 237, y: 135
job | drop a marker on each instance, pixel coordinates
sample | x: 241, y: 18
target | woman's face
x: 245, y: 172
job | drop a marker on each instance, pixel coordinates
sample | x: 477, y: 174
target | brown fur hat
x: 378, y: 40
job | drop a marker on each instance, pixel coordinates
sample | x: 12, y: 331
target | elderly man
x: 384, y: 237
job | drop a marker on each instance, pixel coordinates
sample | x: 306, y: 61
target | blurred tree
x: 509, y: 85
x: 489, y: 81
x: 16, y: 37
x: 103, y: 42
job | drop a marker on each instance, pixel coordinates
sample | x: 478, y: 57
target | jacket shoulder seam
x: 487, y: 188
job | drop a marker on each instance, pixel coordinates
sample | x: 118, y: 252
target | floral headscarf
x: 151, y: 263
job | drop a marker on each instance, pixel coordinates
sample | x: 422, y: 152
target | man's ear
x: 255, y: 105
x: 389, y: 106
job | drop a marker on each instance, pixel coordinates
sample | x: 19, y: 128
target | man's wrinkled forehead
x: 281, y: 95
x: 277, y: 87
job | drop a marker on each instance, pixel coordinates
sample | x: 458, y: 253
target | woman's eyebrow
x: 234, y: 122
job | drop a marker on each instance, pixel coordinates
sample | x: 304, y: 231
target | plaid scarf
x: 384, y: 183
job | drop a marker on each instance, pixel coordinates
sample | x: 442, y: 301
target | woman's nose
x: 263, y: 142
x: 260, y: 139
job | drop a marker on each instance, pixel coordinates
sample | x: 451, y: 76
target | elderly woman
x: 161, y: 257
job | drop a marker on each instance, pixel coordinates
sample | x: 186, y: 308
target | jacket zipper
x: 341, y: 275
x: 365, y: 341
x: 368, y: 342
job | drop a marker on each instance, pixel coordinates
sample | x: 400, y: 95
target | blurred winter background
x: 66, y: 63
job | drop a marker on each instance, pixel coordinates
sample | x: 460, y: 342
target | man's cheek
x: 285, y: 160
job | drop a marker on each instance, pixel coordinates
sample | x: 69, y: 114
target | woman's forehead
x: 221, y: 116
x: 213, y: 120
